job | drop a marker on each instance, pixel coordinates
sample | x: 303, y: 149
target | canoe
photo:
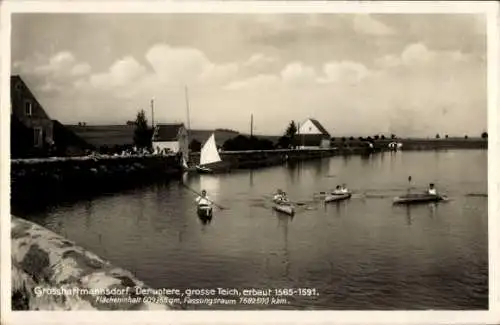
x: 418, y: 198
x: 204, y: 170
x: 205, y: 211
x: 337, y: 197
x: 284, y: 208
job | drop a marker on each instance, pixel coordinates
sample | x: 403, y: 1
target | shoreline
x: 74, y: 178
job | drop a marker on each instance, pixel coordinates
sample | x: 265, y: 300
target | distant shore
x: 417, y: 143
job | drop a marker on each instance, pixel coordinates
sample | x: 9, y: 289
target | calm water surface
x: 363, y: 253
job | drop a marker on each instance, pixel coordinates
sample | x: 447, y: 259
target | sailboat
x: 208, y: 156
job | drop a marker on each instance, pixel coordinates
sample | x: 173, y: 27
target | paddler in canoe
x: 280, y: 197
x: 432, y: 190
x: 430, y: 195
x: 340, y: 190
x: 204, y: 205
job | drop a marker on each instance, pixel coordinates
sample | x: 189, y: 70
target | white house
x: 313, y: 135
x: 171, y: 138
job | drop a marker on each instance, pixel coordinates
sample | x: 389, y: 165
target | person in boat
x: 344, y: 189
x: 338, y: 190
x: 280, y: 196
x: 432, y: 190
x: 203, y: 200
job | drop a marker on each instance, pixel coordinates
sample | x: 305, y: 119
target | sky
x: 358, y: 74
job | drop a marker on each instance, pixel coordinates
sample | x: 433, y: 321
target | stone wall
x: 256, y: 158
x: 43, y: 179
x: 43, y: 262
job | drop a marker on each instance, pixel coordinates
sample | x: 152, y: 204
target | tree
x: 291, y: 130
x: 142, y: 133
x: 351, y: 138
x: 382, y: 137
x: 393, y: 136
x: 438, y: 136
x: 195, y: 145
x: 466, y: 136
x: 376, y: 137
x: 446, y: 136
x: 484, y: 135
x: 284, y: 142
x: 343, y: 139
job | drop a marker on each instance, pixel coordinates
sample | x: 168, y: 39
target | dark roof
x: 319, y: 126
x: 167, y: 132
x: 19, y: 91
x: 105, y: 135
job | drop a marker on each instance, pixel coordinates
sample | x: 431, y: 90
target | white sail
x: 209, y: 153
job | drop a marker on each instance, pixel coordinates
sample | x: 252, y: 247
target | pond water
x: 360, y: 254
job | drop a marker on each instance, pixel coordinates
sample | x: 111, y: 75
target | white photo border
x: 490, y: 9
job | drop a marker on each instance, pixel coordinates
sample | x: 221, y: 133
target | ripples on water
x: 363, y: 253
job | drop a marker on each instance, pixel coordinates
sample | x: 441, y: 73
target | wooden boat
x: 333, y: 197
x: 284, y: 208
x: 208, y: 156
x: 205, y: 211
x: 418, y: 198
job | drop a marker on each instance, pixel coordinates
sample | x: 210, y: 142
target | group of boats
x: 287, y: 207
x: 209, y: 157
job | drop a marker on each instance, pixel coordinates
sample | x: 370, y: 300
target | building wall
x: 30, y: 113
x: 313, y: 141
x: 161, y: 145
x: 184, y: 143
x: 325, y: 143
x: 308, y: 127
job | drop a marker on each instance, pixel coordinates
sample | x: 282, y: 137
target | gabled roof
x: 167, y: 132
x: 319, y: 126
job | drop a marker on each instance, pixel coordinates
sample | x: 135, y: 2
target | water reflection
x: 293, y: 170
x: 211, y: 184
x: 204, y: 220
x: 283, y: 225
x: 410, y: 210
x: 251, y: 177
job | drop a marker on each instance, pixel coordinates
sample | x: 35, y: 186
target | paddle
x: 189, y: 188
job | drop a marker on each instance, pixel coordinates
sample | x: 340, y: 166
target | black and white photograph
x: 269, y: 160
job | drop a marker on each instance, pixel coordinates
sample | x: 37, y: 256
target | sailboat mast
x: 187, y: 122
x: 153, y: 113
x: 187, y: 109
x: 251, y: 125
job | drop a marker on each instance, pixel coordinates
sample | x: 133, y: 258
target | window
x: 37, y: 136
x: 28, y: 108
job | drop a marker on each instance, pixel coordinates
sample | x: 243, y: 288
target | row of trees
x: 484, y: 135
